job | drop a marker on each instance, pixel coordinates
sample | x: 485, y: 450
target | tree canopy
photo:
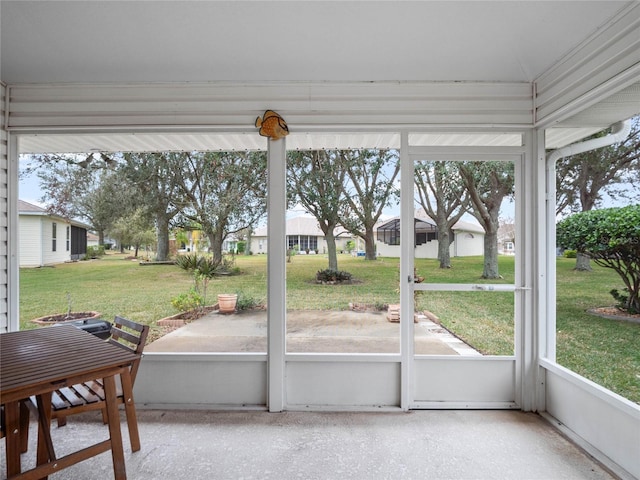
x: 611, y: 238
x: 372, y: 175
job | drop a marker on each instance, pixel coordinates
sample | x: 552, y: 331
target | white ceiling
x: 199, y: 41
x: 100, y: 41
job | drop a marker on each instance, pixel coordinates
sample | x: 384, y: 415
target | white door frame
x: 450, y: 379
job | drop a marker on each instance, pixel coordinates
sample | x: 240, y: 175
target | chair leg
x: 62, y: 421
x: 130, y: 411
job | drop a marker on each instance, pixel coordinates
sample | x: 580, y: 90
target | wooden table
x: 37, y: 362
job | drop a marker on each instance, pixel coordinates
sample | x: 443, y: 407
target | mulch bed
x: 63, y: 317
x: 614, y: 313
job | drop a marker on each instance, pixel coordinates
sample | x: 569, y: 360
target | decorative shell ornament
x: 272, y: 125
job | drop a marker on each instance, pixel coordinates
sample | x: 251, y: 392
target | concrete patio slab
x: 308, y: 331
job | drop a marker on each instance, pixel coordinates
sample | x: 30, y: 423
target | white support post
x: 13, y: 283
x: 406, y: 273
x: 276, y: 273
x: 524, y: 348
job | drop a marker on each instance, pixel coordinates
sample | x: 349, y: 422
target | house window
x: 68, y: 238
x: 293, y: 241
x: 303, y: 242
x: 54, y: 234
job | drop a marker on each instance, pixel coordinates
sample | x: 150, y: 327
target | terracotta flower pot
x: 227, y: 302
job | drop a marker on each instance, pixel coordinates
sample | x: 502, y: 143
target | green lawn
x: 605, y: 351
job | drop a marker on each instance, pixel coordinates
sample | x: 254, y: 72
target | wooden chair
x: 90, y: 396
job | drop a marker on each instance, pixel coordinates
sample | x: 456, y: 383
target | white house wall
x: 260, y: 245
x: 461, y: 247
x: 29, y: 237
x: 467, y: 244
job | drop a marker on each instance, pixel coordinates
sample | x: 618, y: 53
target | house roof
x: 300, y: 225
x: 460, y: 226
x: 29, y: 209
x: 26, y: 208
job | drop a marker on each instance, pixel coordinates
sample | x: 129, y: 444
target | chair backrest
x: 133, y: 338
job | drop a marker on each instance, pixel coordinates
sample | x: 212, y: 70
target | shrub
x: 329, y: 275
x: 570, y: 254
x: 611, y: 238
x: 188, y: 301
x: 94, y: 252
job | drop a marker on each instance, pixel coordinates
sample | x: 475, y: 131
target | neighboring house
x: 467, y: 238
x: 92, y: 240
x: 47, y: 239
x: 304, y: 233
x: 507, y: 239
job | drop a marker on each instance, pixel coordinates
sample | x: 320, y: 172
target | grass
x: 605, y: 351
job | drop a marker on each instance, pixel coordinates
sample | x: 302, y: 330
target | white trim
x: 467, y: 287
x: 609, y: 55
x: 344, y: 358
x: 304, y: 105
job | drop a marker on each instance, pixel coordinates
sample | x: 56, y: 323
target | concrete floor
x: 421, y: 445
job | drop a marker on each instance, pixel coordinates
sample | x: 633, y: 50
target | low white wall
x: 201, y: 380
x: 450, y: 382
x: 606, y: 421
x: 337, y: 382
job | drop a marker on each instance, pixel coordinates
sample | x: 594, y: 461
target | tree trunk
x: 583, y: 263
x: 331, y: 249
x: 370, y: 244
x: 247, y: 249
x: 162, y: 236
x: 215, y: 244
x: 444, y: 252
x: 101, y: 237
x: 491, y: 255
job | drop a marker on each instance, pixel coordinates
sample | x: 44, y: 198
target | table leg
x: 115, y: 435
x: 12, y: 425
x: 45, y: 451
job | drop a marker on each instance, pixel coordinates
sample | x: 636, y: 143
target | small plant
x: 188, y: 301
x: 570, y: 254
x: 68, y: 305
x: 329, y: 275
x: 246, y: 301
x: 188, y: 262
